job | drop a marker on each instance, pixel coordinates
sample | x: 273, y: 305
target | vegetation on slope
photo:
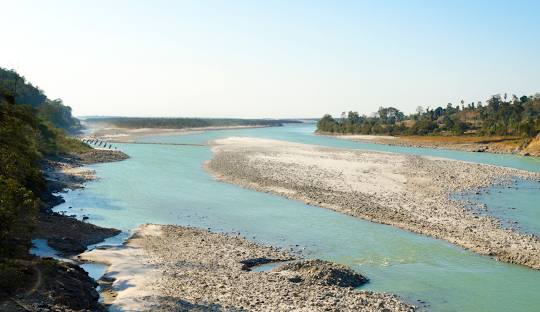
x: 181, y: 123
x: 25, y: 93
x: 26, y: 136
x: 498, y: 116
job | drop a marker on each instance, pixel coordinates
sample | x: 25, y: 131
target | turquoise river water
x: 167, y: 184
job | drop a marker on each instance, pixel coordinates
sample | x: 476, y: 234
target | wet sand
x: 410, y: 192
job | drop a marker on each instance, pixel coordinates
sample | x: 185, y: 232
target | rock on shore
x: 406, y: 191
x: 68, y: 235
x: 55, y: 286
x: 67, y: 172
x: 173, y: 268
x: 319, y: 272
x: 65, y: 234
x: 100, y: 156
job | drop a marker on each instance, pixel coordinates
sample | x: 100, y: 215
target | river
x: 167, y: 184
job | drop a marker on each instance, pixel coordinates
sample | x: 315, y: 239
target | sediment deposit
x: 174, y: 268
x: 406, y: 191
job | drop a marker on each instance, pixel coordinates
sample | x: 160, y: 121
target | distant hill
x: 23, y: 92
x: 181, y: 123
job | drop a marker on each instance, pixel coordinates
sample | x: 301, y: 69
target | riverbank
x: 66, y: 234
x: 497, y: 144
x: 180, y: 268
x: 46, y: 284
x: 410, y: 192
x: 52, y: 285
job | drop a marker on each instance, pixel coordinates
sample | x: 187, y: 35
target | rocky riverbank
x: 174, y: 268
x: 53, y: 286
x: 48, y: 284
x: 406, y: 191
x: 69, y: 235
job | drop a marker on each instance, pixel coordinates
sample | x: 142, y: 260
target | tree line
x: 180, y: 123
x: 500, y: 115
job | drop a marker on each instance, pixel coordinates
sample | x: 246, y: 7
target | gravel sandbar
x: 410, y: 192
x: 174, y: 268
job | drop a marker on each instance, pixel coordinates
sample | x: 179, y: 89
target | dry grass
x: 472, y: 142
x: 534, y: 147
x: 505, y: 144
x: 456, y: 139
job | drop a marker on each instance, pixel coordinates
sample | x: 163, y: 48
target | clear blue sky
x: 271, y: 58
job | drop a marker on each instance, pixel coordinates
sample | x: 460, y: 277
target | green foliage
x: 59, y: 115
x: 27, y: 133
x: 18, y: 210
x: 23, y: 92
x: 24, y: 139
x: 517, y: 117
x: 423, y: 126
x: 19, y: 147
x: 21, y: 180
x: 54, y: 141
x: 68, y: 145
x: 390, y: 115
x: 180, y: 123
x: 387, y: 120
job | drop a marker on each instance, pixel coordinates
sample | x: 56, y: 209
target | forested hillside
x: 27, y: 135
x: 26, y: 93
x: 500, y: 116
x: 180, y: 123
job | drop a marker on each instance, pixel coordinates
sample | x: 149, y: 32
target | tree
x: 25, y: 139
x: 390, y: 115
x: 25, y: 93
x: 326, y: 124
x: 496, y: 117
x: 353, y: 117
